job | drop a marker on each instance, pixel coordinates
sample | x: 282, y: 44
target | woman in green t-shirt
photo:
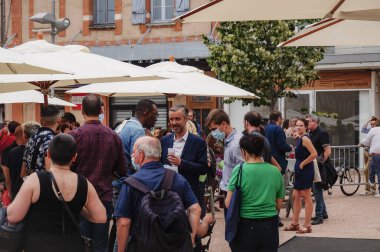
x: 262, y: 191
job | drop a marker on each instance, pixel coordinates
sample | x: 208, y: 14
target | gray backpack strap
x: 135, y: 183
x: 168, y: 180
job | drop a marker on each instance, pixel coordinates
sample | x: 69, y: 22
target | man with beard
x: 186, y: 151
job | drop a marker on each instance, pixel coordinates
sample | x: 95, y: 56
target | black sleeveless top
x: 46, y: 217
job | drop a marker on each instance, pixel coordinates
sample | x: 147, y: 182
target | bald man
x: 146, y: 157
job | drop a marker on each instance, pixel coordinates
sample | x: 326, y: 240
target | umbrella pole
x: 167, y: 111
x: 45, y: 100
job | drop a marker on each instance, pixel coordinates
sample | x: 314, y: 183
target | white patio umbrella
x: 31, y: 96
x: 193, y: 84
x: 12, y: 63
x: 337, y: 32
x: 247, y: 10
x: 86, y: 67
x: 184, y: 80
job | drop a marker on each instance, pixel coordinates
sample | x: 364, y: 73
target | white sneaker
x: 366, y: 193
x: 377, y: 195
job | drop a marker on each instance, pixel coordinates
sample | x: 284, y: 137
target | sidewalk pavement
x: 349, y: 217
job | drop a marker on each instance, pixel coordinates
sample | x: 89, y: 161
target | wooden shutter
x: 138, y: 12
x: 181, y: 7
x: 99, y: 12
x: 110, y: 11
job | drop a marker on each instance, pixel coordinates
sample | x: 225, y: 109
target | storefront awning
x: 161, y: 51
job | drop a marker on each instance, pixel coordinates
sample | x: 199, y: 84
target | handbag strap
x: 60, y: 197
x: 240, y: 174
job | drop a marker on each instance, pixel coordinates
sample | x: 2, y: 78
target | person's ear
x: 48, y: 154
x: 74, y: 158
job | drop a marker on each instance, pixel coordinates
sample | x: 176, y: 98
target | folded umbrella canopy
x: 31, y: 96
x: 337, y: 32
x: 12, y: 63
x: 248, y: 10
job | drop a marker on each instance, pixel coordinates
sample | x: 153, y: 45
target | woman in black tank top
x: 49, y: 225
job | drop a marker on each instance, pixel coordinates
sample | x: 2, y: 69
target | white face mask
x: 135, y: 166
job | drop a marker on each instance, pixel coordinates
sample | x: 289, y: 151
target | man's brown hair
x: 217, y: 116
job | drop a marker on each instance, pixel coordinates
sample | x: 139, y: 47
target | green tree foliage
x: 245, y: 54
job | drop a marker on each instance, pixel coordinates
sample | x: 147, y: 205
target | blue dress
x: 303, y: 177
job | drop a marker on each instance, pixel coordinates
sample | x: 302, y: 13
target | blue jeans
x: 97, y: 232
x: 320, y: 207
x: 374, y: 170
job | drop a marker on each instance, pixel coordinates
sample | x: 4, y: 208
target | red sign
x: 77, y: 100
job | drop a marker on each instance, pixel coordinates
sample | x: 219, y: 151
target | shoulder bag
x: 233, y: 212
x: 88, y: 245
x: 12, y: 236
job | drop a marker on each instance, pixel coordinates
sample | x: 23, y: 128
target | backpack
x: 328, y: 174
x: 162, y: 221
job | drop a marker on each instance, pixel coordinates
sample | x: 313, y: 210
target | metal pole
x: 53, y: 25
x: 2, y: 19
x: 52, y: 91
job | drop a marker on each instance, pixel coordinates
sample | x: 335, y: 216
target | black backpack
x: 328, y: 174
x: 162, y: 221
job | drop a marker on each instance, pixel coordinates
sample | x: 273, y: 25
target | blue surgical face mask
x: 135, y: 166
x: 101, y: 117
x: 218, y: 135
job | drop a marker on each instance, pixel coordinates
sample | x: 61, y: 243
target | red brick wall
x: 87, y: 11
x: 17, y: 20
x: 62, y: 14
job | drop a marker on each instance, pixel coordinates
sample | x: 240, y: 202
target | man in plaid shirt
x: 100, y: 154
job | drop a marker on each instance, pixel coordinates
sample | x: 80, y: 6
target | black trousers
x: 256, y: 235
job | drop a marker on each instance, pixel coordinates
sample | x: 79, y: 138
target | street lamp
x: 57, y: 25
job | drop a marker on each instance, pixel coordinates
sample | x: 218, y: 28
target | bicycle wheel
x: 350, y: 180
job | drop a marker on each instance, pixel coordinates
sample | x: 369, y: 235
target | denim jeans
x: 320, y: 207
x: 375, y: 170
x: 98, y: 232
x: 256, y: 236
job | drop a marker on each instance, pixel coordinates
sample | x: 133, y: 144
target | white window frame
x: 163, y: 12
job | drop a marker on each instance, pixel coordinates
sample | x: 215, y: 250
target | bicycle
x: 345, y: 163
x: 349, y: 179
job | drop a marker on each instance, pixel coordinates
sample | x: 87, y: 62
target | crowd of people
x: 96, y: 169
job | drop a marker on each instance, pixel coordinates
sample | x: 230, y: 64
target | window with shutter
x: 104, y: 12
x: 181, y: 7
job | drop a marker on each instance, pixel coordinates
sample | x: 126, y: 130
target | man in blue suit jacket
x: 277, y: 139
x: 190, y: 151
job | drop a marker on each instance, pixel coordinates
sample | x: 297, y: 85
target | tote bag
x: 233, y: 213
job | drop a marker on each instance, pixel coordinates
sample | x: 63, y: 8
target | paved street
x: 349, y: 217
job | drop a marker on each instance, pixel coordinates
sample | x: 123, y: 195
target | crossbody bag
x: 88, y: 245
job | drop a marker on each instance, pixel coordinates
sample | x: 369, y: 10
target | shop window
x: 339, y: 115
x: 201, y: 99
x: 298, y: 106
x: 104, y: 12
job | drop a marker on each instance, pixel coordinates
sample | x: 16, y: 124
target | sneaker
x: 377, y: 195
x: 366, y: 192
x: 317, y: 221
